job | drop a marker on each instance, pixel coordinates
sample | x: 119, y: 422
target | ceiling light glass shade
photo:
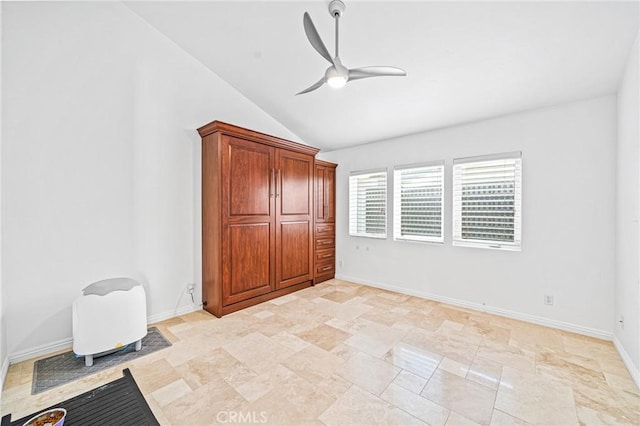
x: 336, y: 81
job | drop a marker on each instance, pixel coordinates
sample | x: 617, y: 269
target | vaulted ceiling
x: 465, y: 61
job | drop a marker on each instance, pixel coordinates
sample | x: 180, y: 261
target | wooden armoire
x: 257, y: 217
x: 325, y: 219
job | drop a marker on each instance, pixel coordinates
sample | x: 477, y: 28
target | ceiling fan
x: 337, y: 74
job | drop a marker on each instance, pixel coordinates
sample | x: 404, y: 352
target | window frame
x: 456, y: 211
x: 353, y: 227
x: 397, y: 202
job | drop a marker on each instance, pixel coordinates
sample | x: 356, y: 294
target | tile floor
x: 342, y: 353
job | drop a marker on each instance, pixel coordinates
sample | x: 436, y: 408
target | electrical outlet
x: 341, y: 263
x: 191, y: 288
x: 548, y: 299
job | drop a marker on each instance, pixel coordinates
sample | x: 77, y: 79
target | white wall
x: 568, y: 218
x: 627, y: 287
x: 100, y: 169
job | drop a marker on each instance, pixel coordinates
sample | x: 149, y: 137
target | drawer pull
x: 324, y: 256
x: 326, y: 268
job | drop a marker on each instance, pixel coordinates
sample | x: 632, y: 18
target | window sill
x: 377, y: 237
x: 485, y: 245
x: 409, y: 240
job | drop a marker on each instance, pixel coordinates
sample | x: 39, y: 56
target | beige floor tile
x: 485, y: 372
x: 359, y: 407
x: 314, y: 364
x: 290, y: 341
x: 454, y: 367
x: 422, y: 408
x: 410, y: 381
x: 456, y: 419
x: 423, y: 357
x: 413, y: 359
x: 204, y: 406
x: 261, y: 385
x: 152, y: 376
x: 169, y: 393
x: 463, y: 396
x: 375, y: 339
x: 294, y: 402
x: 369, y: 373
x: 609, y: 402
x: 324, y: 336
x: 263, y: 314
x: 338, y: 296
x: 523, y: 395
x: 503, y: 419
x: 488, y: 331
x: 456, y: 345
x: 625, y: 382
x: 258, y: 352
x: 508, y: 355
x: 284, y: 299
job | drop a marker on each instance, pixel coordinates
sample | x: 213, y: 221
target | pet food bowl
x: 54, y: 417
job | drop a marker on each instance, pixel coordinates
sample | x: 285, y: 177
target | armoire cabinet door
x: 325, y: 194
x: 248, y: 219
x: 294, y: 218
x: 330, y: 194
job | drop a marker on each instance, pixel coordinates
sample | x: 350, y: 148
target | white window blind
x: 368, y: 204
x: 418, y: 202
x: 487, y: 206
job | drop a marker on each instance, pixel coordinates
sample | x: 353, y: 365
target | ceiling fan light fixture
x: 337, y: 75
x: 336, y: 81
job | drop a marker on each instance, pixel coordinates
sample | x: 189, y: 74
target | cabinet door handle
x: 273, y: 182
x: 278, y: 180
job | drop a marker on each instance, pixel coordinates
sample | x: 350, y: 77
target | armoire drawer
x: 325, y: 268
x: 325, y: 255
x: 325, y: 230
x: 326, y: 242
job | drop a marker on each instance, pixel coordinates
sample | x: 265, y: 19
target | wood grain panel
x: 249, y: 178
x: 211, y: 265
x: 330, y: 194
x: 247, y: 270
x: 325, y: 254
x: 295, y: 250
x: 296, y: 183
x: 324, y: 243
x: 325, y: 216
x: 325, y: 230
x: 319, y: 194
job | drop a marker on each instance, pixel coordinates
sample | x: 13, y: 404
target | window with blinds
x: 418, y: 202
x: 368, y: 204
x: 487, y: 206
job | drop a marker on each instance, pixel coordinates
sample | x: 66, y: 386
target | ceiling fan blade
x: 313, y: 87
x: 314, y: 38
x: 366, y: 72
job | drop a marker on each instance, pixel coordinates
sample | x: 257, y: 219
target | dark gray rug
x: 64, y: 368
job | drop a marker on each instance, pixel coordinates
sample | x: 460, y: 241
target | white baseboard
x: 574, y: 328
x: 68, y: 342
x: 628, y: 362
x: 3, y: 373
x: 170, y: 314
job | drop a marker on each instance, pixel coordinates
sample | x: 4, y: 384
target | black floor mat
x: 64, y: 368
x: 117, y: 403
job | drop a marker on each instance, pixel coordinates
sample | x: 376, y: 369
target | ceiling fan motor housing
x: 336, y: 7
